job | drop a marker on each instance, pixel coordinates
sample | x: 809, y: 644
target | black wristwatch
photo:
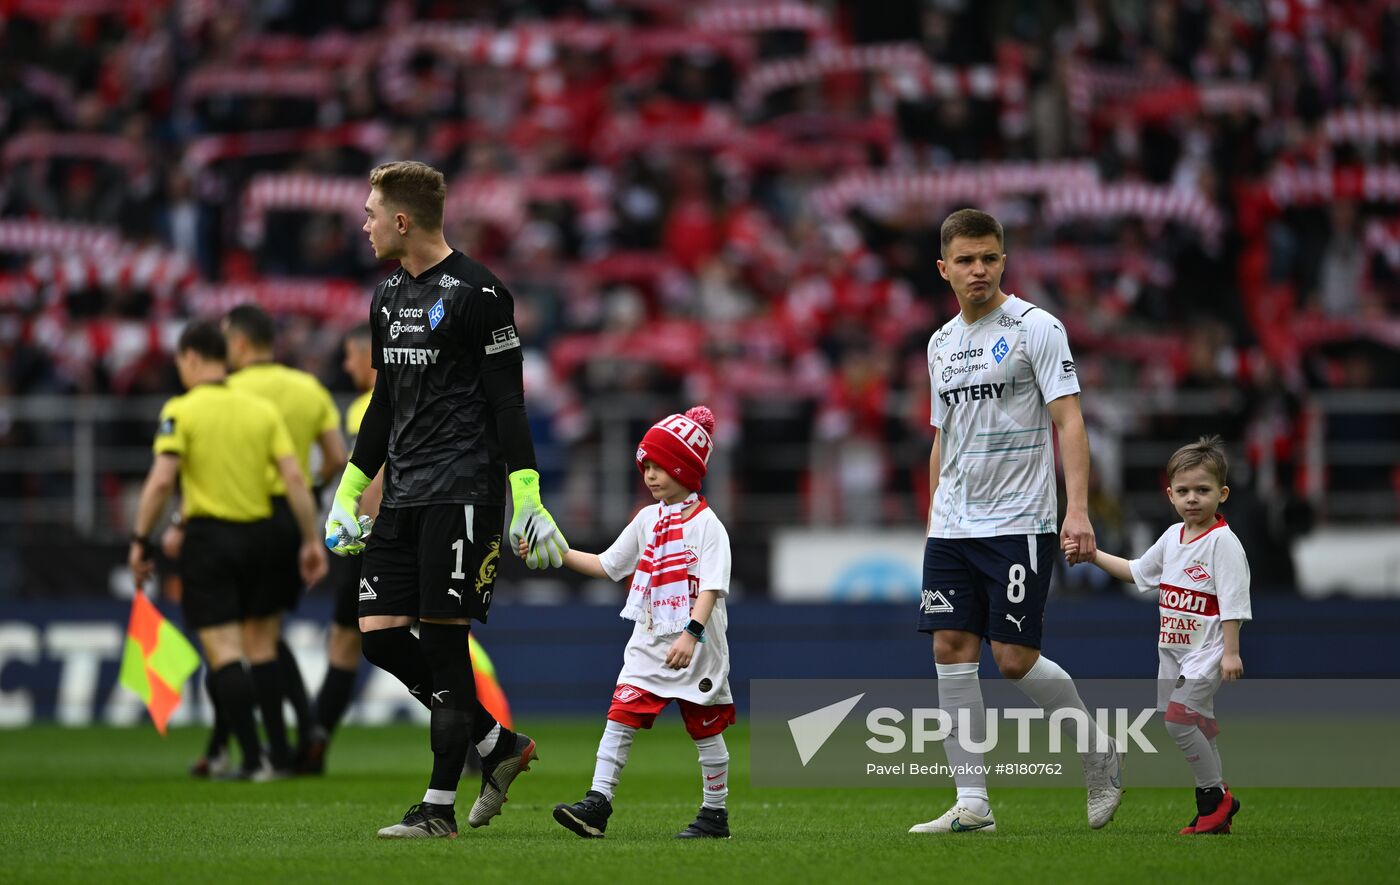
x: 696, y: 629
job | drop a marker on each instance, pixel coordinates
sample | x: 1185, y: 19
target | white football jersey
x: 1202, y: 581
x: 991, y: 381
x: 706, y: 680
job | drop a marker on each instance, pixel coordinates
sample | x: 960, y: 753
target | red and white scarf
x: 660, y: 592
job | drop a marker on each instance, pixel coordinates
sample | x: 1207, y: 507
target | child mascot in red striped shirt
x: 675, y: 556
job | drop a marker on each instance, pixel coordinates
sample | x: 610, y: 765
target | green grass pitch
x: 115, y: 805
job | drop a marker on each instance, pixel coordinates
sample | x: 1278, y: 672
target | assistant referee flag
x: 157, y: 661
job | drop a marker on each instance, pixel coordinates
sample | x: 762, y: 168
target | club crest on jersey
x: 435, y: 314
x: 1197, y: 574
x: 1000, y: 350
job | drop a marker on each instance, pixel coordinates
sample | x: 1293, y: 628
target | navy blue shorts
x: 994, y: 587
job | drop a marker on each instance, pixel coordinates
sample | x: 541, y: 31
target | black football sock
x: 398, y: 652
x: 231, y: 685
x: 448, y: 652
x: 334, y: 698
x: 218, y: 735
x: 294, y: 687
x: 267, y: 682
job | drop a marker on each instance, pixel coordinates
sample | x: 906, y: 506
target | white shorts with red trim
x: 1190, y: 679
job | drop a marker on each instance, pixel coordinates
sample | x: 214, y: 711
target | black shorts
x: 433, y: 561
x: 994, y: 587
x: 282, y: 569
x: 222, y: 571
x: 342, y: 582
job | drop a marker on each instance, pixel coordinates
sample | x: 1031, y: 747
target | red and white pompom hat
x: 680, y: 445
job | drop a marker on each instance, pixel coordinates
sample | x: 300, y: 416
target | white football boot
x: 958, y: 820
x: 1103, y: 775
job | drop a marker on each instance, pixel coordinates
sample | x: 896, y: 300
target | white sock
x: 440, y: 797
x: 612, y: 756
x: 488, y: 743
x: 714, y: 764
x: 1205, y: 765
x: 1219, y: 766
x: 1051, y: 687
x: 959, y: 689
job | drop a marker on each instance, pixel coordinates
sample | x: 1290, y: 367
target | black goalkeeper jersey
x: 434, y: 335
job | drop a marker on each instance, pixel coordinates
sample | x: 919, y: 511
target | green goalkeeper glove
x: 344, y: 534
x: 533, y: 523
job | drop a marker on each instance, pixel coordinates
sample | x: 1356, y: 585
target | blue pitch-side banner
x: 59, y: 662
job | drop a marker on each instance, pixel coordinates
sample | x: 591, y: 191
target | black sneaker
x: 498, y: 770
x: 424, y: 821
x: 588, y: 817
x: 710, y: 823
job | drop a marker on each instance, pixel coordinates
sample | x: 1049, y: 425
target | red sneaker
x: 1218, y: 821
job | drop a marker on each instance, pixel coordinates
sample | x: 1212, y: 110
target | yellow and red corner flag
x: 488, y: 690
x: 157, y: 661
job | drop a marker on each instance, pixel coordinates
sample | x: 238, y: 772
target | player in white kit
x: 1001, y: 375
x: 676, y: 554
x: 1200, y: 572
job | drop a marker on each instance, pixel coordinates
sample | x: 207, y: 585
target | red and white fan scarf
x: 660, y: 592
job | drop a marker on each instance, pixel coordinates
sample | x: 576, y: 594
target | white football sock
x: 1215, y: 749
x: 440, y: 797
x: 612, y: 756
x: 1205, y: 765
x: 714, y: 764
x: 1051, y: 687
x: 959, y: 689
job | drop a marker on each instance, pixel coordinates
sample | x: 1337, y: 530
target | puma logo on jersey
x: 1016, y: 621
x: 491, y: 289
x: 437, y: 695
x: 386, y: 313
x: 451, y: 592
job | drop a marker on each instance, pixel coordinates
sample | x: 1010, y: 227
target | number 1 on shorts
x: 459, y: 545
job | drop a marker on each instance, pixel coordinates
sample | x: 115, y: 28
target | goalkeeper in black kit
x: 447, y: 423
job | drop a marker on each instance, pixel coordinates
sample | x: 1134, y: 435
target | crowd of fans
x: 732, y: 202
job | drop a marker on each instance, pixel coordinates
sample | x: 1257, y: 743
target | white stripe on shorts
x: 1035, y: 560
x: 468, y: 511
